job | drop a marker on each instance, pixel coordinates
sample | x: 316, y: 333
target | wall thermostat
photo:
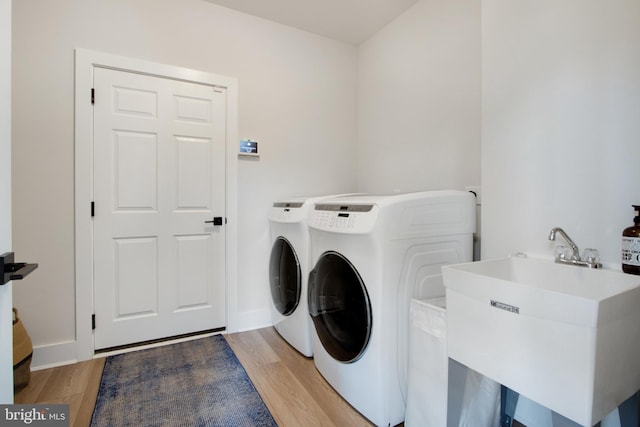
x: 248, y: 147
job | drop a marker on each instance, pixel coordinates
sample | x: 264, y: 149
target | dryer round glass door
x: 339, y: 307
x: 285, y: 277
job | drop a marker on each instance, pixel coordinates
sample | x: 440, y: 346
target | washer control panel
x: 351, y: 218
x: 287, y: 212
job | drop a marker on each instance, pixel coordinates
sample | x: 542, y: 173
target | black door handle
x: 217, y: 220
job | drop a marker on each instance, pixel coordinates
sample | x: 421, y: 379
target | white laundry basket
x: 443, y: 392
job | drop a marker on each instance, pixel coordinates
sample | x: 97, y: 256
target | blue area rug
x: 194, y: 383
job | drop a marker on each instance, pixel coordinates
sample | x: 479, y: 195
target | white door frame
x: 86, y: 60
x: 6, y: 291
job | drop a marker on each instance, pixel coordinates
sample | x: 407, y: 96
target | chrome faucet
x: 590, y: 257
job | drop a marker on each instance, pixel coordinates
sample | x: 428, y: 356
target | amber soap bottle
x: 631, y: 245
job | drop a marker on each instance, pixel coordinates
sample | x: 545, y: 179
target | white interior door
x: 159, y: 181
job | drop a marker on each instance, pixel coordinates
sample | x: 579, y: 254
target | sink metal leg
x: 629, y: 412
x: 508, y: 403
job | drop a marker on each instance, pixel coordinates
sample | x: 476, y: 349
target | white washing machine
x: 371, y: 255
x: 289, y: 270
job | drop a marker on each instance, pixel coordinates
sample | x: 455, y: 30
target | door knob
x: 217, y: 220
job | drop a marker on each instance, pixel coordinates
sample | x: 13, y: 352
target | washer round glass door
x: 339, y: 307
x: 285, y: 277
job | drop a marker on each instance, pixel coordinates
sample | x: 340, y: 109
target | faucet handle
x: 562, y: 252
x: 591, y: 255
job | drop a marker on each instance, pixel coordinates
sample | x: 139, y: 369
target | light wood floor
x: 291, y: 387
x: 76, y: 385
x: 293, y: 390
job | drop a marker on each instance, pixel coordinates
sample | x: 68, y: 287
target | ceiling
x: 350, y: 21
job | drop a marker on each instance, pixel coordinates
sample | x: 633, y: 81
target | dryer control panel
x: 287, y: 212
x: 353, y: 218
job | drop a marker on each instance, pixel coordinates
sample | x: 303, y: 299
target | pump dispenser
x: 631, y: 245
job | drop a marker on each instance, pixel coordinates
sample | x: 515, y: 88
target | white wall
x: 297, y: 97
x: 419, y: 100
x: 560, y: 127
x: 6, y: 334
x: 560, y: 124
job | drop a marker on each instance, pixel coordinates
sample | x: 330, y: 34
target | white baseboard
x: 248, y: 320
x: 66, y: 353
x: 52, y: 355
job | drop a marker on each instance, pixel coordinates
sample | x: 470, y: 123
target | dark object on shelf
x: 13, y: 270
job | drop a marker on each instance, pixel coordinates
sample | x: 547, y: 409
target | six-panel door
x: 159, y: 176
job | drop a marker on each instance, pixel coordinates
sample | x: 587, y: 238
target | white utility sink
x: 566, y: 337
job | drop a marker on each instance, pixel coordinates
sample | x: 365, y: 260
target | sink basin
x: 566, y: 337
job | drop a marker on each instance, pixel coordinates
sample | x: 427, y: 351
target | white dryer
x: 289, y: 270
x: 371, y: 255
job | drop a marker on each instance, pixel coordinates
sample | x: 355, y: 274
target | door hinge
x: 93, y: 96
x: 93, y: 209
x: 93, y: 322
